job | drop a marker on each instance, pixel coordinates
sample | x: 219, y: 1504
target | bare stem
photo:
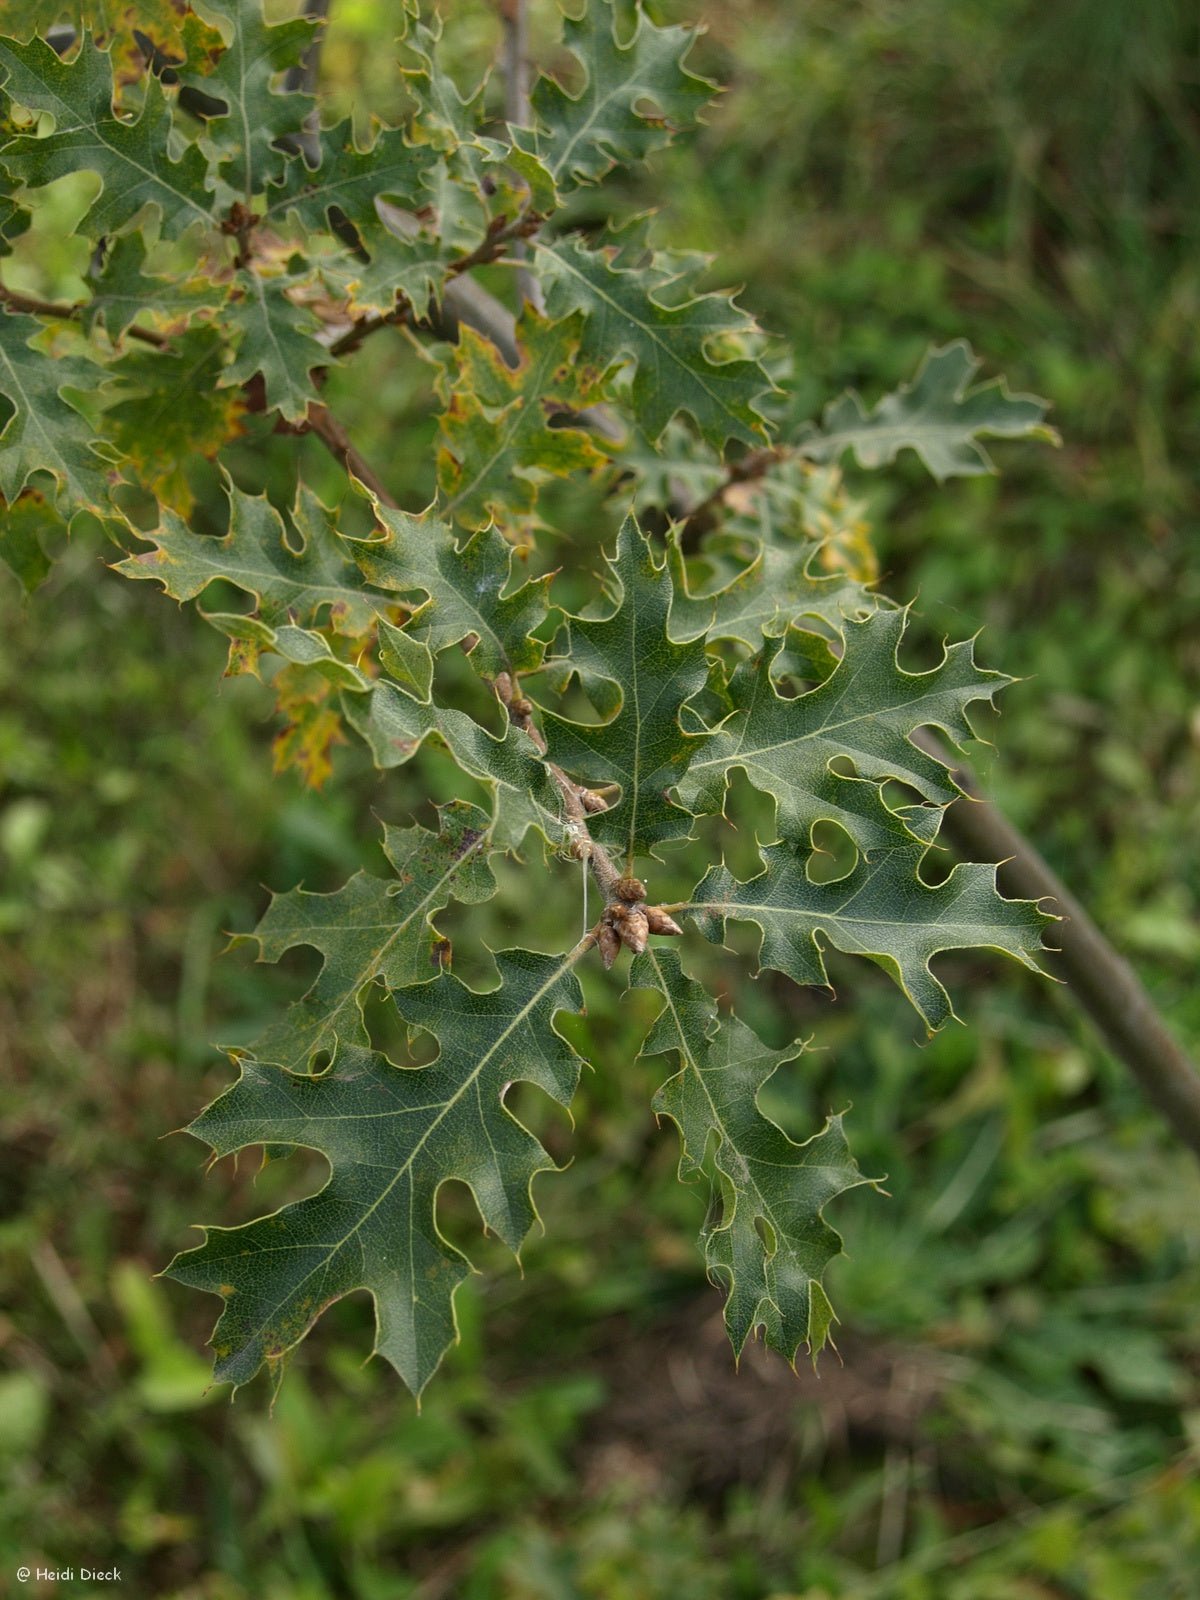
x: 333, y: 436
x: 575, y: 798
x: 1102, y: 981
x: 365, y: 327
x: 515, y: 18
x: 501, y: 233
x: 303, y: 78
x: 705, y: 513
x: 70, y: 313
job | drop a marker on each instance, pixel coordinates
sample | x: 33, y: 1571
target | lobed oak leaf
x: 170, y: 411
x: 635, y: 96
x: 467, y: 587
x: 506, y: 430
x: 882, y: 909
x: 298, y: 574
x: 667, y: 345
x: 866, y: 711
x: 44, y: 432
x: 256, y: 112
x: 131, y: 157
x: 937, y: 415
x: 766, y: 1240
x: 643, y: 682
x: 392, y: 1137
x: 275, y: 341
x: 372, y: 931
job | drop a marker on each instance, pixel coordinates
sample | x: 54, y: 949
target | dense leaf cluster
x: 239, y: 250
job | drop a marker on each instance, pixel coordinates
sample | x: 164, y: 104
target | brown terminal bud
x: 629, y: 889
x: 635, y: 929
x: 660, y: 922
x: 608, y: 943
x: 591, y: 801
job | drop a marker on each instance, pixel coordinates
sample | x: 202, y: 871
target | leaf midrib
x: 690, y: 373
x: 368, y: 971
x: 31, y: 417
x: 598, y: 105
x: 719, y: 1123
x: 333, y: 1250
x: 825, y: 729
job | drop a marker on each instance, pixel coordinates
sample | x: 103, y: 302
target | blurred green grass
x: 1019, y: 1409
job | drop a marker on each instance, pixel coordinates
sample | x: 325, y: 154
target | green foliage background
x: 1020, y: 1402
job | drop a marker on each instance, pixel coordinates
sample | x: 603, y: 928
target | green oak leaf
x: 123, y: 293
x: 769, y: 594
x: 132, y: 159
x: 256, y: 115
x: 936, y: 415
x: 37, y: 77
x: 349, y: 180
x: 372, y: 930
x: 583, y: 136
x: 406, y: 263
x: 14, y: 221
x: 674, y: 473
x: 669, y: 346
x: 166, y: 410
x: 276, y: 343
x: 641, y: 681
x: 396, y: 725
x: 392, y: 1137
x: 882, y: 909
x: 23, y: 527
x: 506, y: 430
x: 766, y: 1240
x: 520, y: 156
x: 44, y: 432
x: 446, y: 122
x: 867, y: 709
x: 446, y: 119
x: 293, y: 577
x: 251, y: 637
x: 408, y: 662
x: 467, y: 588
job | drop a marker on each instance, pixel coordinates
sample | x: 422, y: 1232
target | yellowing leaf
x: 506, y: 430
x: 173, y: 412
x: 312, y: 725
